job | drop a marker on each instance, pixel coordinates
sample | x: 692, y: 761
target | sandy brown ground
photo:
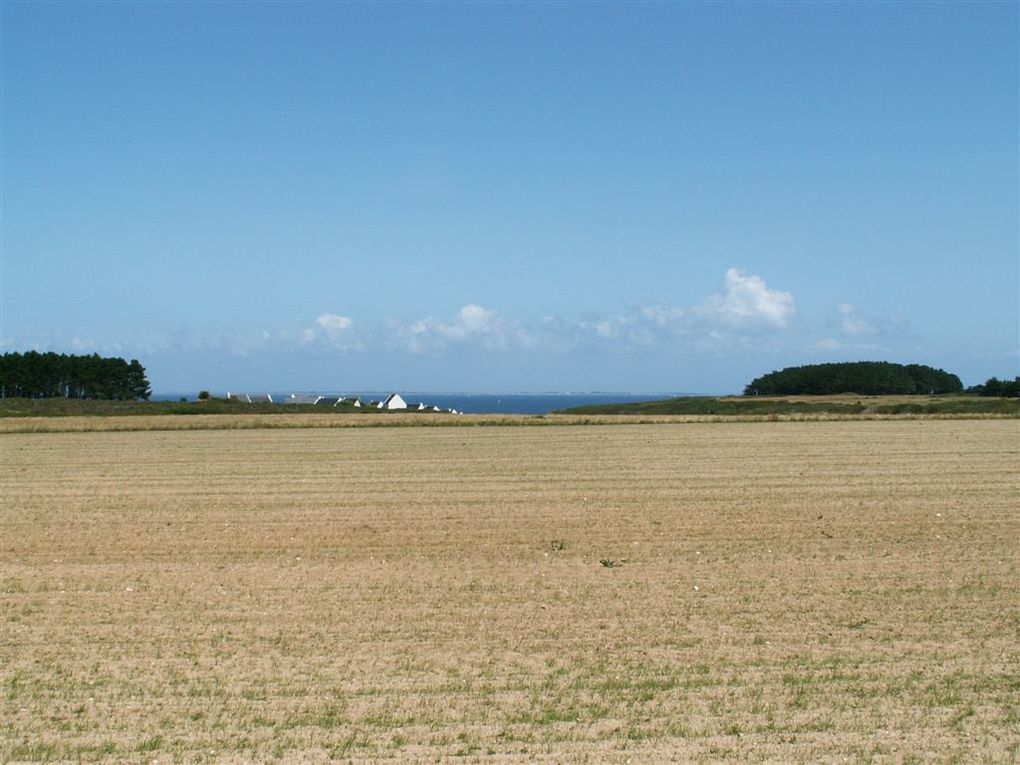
x: 790, y: 591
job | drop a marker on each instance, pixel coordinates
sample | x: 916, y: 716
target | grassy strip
x: 837, y: 405
x: 60, y: 407
x: 86, y: 424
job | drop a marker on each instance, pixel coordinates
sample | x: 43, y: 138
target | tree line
x: 867, y: 378
x: 51, y: 375
x: 996, y: 387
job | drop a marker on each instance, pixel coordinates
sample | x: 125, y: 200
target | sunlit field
x: 752, y: 591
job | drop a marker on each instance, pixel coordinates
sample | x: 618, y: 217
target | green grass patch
x: 63, y: 407
x: 744, y: 406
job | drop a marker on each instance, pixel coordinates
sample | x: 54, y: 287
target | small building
x: 250, y: 398
x: 393, y: 401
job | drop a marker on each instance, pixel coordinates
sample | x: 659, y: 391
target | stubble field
x: 775, y: 591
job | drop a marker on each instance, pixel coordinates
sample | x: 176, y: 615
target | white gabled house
x: 393, y: 401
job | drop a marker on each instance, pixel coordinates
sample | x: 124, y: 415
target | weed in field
x: 151, y: 744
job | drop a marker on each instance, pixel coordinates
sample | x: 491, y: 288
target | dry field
x: 785, y: 591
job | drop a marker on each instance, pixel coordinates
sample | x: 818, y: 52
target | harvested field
x: 773, y: 591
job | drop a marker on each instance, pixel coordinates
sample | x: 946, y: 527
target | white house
x: 393, y: 401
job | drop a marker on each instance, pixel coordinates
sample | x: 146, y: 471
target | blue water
x: 483, y: 403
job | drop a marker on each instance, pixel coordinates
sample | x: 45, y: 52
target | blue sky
x: 510, y: 197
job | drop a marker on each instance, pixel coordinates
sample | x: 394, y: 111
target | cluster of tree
x: 997, y: 387
x: 52, y: 375
x: 867, y: 378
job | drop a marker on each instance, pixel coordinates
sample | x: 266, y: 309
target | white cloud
x: 330, y: 322
x: 642, y: 326
x: 471, y: 320
x: 746, y: 302
x: 471, y: 325
x: 863, y: 332
x: 746, y: 306
x: 337, y: 332
x: 661, y: 315
x: 328, y: 331
x: 852, y: 324
x: 734, y: 317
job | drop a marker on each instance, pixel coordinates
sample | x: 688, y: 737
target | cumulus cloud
x: 858, y: 332
x: 661, y: 315
x: 329, y: 331
x: 471, y: 325
x: 335, y: 331
x: 471, y: 320
x: 644, y: 325
x: 738, y: 314
x: 746, y: 302
x: 745, y: 305
x: 852, y: 323
x: 330, y: 322
x: 865, y: 331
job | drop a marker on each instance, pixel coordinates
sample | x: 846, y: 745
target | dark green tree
x: 996, y: 387
x: 48, y: 375
x: 869, y: 378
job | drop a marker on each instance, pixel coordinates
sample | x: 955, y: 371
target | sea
x: 472, y: 403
